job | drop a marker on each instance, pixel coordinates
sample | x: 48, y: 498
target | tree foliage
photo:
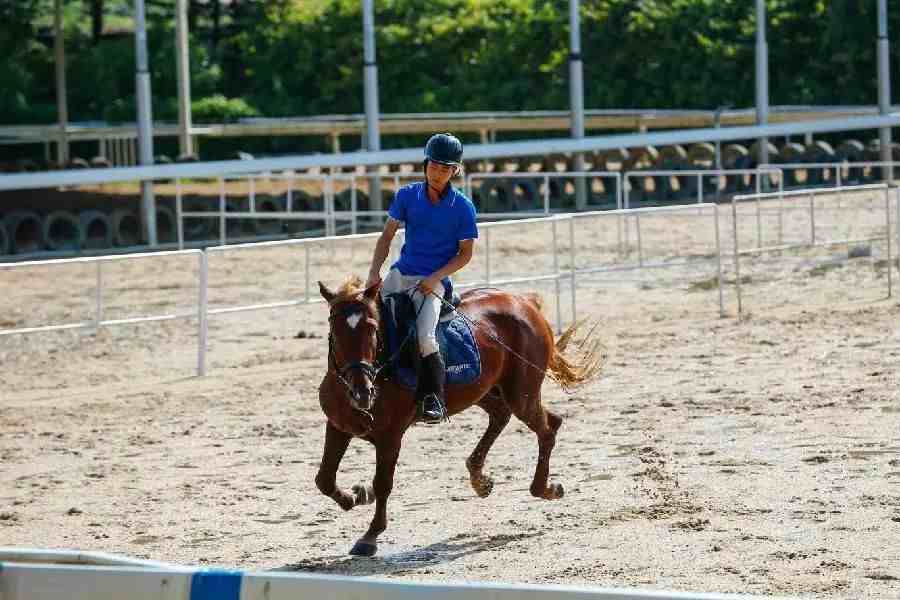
x: 304, y: 57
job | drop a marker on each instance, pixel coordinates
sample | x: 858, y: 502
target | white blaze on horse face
x: 354, y: 319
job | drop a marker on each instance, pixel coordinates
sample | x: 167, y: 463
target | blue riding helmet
x: 444, y: 148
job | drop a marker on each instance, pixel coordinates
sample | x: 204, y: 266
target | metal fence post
x: 289, y: 201
x: 556, y: 279
x: 222, y: 223
x: 887, y: 223
x: 737, y: 260
x: 572, y: 264
x: 758, y: 209
x: 202, y: 312
x: 718, y: 259
x: 781, y: 208
x: 179, y: 220
x: 353, y: 205
x: 546, y: 194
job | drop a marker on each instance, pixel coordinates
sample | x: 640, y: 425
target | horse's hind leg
x: 498, y: 413
x: 528, y: 408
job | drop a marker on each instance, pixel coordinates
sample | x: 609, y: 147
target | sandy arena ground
x: 714, y: 454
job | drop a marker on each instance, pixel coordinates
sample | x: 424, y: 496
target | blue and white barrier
x: 38, y: 575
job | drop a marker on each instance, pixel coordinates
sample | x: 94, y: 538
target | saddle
x: 456, y: 341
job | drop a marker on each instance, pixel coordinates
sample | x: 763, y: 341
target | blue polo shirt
x: 433, y: 231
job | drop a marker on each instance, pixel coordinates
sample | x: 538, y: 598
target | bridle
x: 372, y: 370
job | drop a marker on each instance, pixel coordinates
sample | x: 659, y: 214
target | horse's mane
x: 351, y: 287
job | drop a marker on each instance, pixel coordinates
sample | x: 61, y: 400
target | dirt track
x: 757, y: 456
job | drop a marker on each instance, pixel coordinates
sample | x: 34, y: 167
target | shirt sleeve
x: 397, y: 210
x: 468, y: 227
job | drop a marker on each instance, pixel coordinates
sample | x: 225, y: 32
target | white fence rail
x: 128, y: 579
x: 710, y: 213
x: 330, y: 215
x: 813, y: 241
x: 99, y: 320
x: 203, y: 311
x: 414, y: 155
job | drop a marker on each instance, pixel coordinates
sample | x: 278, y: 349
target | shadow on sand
x: 438, y: 553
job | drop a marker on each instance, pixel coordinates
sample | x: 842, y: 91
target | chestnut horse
x: 517, y: 351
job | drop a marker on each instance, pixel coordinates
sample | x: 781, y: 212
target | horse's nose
x: 366, y: 396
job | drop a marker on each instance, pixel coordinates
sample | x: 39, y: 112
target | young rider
x: 440, y: 238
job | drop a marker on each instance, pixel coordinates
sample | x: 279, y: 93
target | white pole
x: 223, y: 224
x: 183, y: 65
x: 62, y: 105
x: 737, y: 256
x: 373, y: 135
x: 572, y: 266
x: 718, y: 259
x: 145, y: 120
x: 576, y: 94
x: 887, y: 224
x: 762, y: 78
x: 884, y: 88
x: 179, y: 219
x: 556, y: 279
x: 202, y: 313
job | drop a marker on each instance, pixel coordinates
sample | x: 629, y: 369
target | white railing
x: 94, y: 578
x: 329, y: 215
x: 557, y: 274
x: 99, y: 320
x: 203, y: 311
x: 812, y: 241
x: 636, y: 213
x: 414, y: 155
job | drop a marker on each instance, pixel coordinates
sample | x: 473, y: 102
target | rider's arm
x: 462, y: 258
x: 382, y: 248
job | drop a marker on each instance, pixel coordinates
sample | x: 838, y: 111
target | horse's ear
x: 326, y: 293
x: 371, y: 292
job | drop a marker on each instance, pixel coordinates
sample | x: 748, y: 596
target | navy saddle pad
x: 454, y: 335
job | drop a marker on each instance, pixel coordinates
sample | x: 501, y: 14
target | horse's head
x: 353, y: 339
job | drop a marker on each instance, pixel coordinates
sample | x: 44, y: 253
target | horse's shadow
x: 438, y: 553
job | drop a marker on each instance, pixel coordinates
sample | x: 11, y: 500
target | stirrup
x: 431, y: 418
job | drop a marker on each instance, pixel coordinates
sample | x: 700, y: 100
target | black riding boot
x: 432, y: 409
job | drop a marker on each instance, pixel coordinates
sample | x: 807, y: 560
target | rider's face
x: 438, y: 175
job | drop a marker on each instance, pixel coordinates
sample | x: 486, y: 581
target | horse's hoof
x: 483, y: 486
x: 363, y: 494
x: 362, y: 548
x: 555, y: 491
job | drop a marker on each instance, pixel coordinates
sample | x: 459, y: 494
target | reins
x: 490, y: 334
x: 374, y: 370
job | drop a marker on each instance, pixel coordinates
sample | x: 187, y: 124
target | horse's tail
x: 570, y: 373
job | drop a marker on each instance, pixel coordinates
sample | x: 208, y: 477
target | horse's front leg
x: 336, y: 442
x: 386, y: 453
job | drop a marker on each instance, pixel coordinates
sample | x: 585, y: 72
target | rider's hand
x: 374, y: 279
x: 429, y: 284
